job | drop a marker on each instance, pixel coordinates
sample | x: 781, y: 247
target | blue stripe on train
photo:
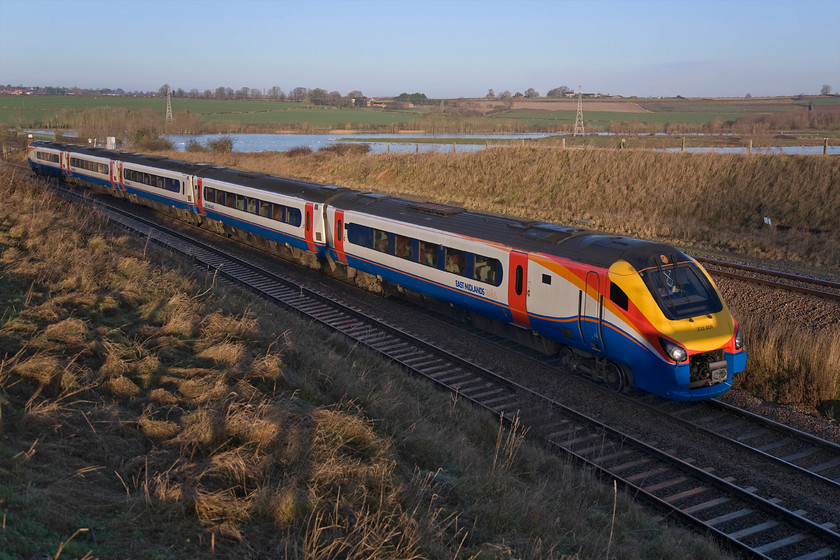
x: 263, y: 231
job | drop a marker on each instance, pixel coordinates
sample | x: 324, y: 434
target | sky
x: 443, y: 48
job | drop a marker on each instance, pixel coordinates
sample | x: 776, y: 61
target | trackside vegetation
x: 148, y: 411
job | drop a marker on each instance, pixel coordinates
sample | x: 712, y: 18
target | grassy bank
x: 713, y: 203
x: 145, y: 413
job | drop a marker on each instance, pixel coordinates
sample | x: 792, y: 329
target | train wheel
x: 568, y: 360
x: 614, y: 377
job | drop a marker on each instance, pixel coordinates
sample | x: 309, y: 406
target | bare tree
x: 299, y: 94
x: 825, y: 90
x: 490, y: 94
x: 531, y: 93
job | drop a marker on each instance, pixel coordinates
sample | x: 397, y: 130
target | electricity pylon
x: 168, y: 104
x: 579, y: 117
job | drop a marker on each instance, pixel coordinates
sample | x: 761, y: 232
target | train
x: 626, y: 312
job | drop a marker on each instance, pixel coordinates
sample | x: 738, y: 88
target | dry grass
x: 171, y: 425
x: 791, y: 366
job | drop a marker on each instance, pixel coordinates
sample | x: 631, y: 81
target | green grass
x: 55, y: 111
x: 30, y: 111
x: 603, y: 119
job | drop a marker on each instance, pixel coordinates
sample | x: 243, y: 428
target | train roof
x: 583, y: 245
x: 313, y: 192
x: 77, y: 148
x: 161, y: 162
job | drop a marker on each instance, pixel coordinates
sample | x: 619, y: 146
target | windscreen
x: 680, y: 289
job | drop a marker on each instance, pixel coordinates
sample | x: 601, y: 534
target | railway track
x: 781, y: 280
x: 737, y: 516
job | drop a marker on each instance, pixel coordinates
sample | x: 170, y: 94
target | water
x: 400, y: 143
x: 286, y: 142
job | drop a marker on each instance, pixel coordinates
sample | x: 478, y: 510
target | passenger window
x: 428, y: 254
x: 293, y: 216
x: 519, y: 277
x: 230, y: 200
x: 209, y: 194
x: 360, y: 235
x: 277, y: 212
x: 402, y: 247
x: 240, y: 202
x: 454, y: 261
x: 265, y: 209
x: 486, y: 270
x: 252, y: 205
x: 380, y: 240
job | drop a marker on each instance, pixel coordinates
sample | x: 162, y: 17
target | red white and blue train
x: 625, y: 311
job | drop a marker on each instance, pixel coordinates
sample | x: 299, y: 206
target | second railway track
x: 735, y: 513
x: 817, y: 287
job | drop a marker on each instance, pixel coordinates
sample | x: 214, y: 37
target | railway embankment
x: 146, y: 414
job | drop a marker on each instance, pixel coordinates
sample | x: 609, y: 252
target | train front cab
x: 686, y: 345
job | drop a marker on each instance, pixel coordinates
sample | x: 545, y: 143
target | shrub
x: 299, y: 151
x: 223, y: 144
x: 147, y: 139
x: 194, y: 146
x: 341, y: 149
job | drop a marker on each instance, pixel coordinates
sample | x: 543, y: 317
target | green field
x: 604, y: 118
x: 38, y: 111
x: 318, y: 118
x: 211, y: 115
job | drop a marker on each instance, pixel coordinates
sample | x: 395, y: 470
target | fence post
x: 454, y: 151
x: 563, y: 144
x: 825, y: 146
x: 683, y: 144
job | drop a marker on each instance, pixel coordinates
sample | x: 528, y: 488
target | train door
x: 518, y: 289
x: 308, y: 223
x: 591, y: 310
x: 64, y: 162
x: 112, y: 176
x: 195, y: 184
x: 338, y: 236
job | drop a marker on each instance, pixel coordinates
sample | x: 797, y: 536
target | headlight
x: 674, y: 351
x: 739, y: 340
